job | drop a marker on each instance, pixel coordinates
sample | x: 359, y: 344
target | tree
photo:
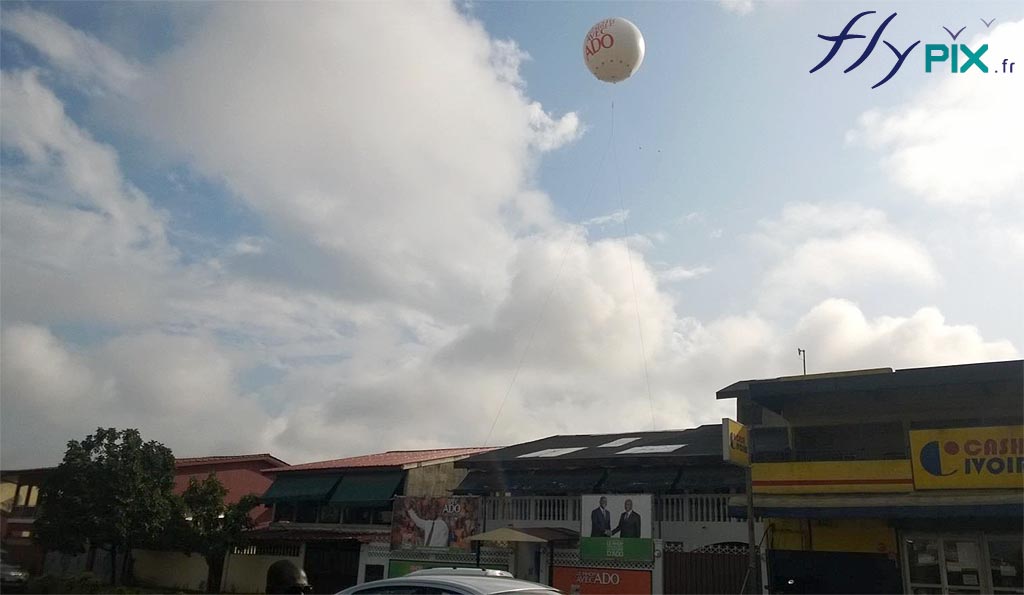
x: 111, y: 490
x: 212, y: 527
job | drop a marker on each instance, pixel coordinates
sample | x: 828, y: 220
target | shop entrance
x: 967, y: 563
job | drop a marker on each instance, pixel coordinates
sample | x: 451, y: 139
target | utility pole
x: 803, y: 355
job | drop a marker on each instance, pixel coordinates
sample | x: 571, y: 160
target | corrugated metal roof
x: 389, y: 459
x: 587, y: 450
x: 270, y: 459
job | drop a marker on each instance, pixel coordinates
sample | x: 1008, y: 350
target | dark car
x: 13, y: 578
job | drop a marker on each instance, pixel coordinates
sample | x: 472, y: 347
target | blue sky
x: 348, y: 228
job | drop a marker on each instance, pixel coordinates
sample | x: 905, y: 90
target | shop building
x: 334, y: 518
x: 882, y: 481
x: 675, y: 480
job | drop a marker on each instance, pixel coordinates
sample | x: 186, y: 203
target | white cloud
x: 957, y: 142
x: 179, y: 390
x: 740, y: 7
x: 842, y: 338
x: 95, y: 66
x: 823, y: 250
x: 682, y: 273
x: 618, y: 216
x: 78, y: 241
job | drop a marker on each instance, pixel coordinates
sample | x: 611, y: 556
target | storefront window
x: 963, y: 561
x: 923, y: 562
x: 1006, y: 562
x: 971, y: 564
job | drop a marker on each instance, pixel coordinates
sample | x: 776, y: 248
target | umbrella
x: 507, y: 534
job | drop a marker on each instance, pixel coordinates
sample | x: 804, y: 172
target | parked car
x: 13, y: 578
x: 452, y: 581
x: 456, y: 571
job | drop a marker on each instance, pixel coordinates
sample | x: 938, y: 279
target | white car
x: 452, y: 581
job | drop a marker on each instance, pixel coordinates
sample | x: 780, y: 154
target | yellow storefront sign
x: 832, y: 477
x: 968, y: 458
x: 735, y: 443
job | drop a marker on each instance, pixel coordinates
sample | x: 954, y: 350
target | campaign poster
x: 435, y: 523
x: 617, y: 515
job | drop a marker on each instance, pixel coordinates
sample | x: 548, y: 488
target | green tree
x: 212, y: 526
x: 112, y: 491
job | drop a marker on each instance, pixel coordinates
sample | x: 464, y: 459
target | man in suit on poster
x: 601, y: 520
x: 629, y: 522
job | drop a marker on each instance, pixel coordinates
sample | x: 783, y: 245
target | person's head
x: 603, y: 502
x: 629, y: 505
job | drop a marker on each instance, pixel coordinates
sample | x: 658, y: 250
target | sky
x: 329, y: 229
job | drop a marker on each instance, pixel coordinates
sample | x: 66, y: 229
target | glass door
x: 946, y: 564
x: 1006, y: 564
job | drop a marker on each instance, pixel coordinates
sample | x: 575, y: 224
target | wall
x: 433, y: 480
x: 173, y: 570
x: 240, y: 478
x: 248, y: 574
x: 695, y: 535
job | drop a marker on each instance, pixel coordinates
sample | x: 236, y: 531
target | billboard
x: 616, y: 527
x: 968, y: 458
x: 616, y: 515
x: 613, y: 581
x: 436, y: 523
x: 735, y: 443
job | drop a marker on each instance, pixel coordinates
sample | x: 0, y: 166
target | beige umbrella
x: 508, y: 535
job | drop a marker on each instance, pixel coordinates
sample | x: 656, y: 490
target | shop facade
x: 888, y: 481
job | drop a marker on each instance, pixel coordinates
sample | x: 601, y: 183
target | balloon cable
x: 554, y: 284
x: 632, y: 277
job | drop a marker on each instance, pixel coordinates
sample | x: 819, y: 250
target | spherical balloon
x: 613, y: 49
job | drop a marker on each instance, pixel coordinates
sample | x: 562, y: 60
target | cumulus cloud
x: 78, y: 240
x: 957, y: 142
x: 682, y: 273
x: 181, y: 390
x: 95, y: 66
x: 740, y: 7
x: 821, y: 250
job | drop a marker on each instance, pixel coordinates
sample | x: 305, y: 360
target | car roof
x: 491, y: 585
x: 460, y: 571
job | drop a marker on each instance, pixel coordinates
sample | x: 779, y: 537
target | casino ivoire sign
x: 968, y: 458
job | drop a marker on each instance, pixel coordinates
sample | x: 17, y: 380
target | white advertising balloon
x: 613, y: 49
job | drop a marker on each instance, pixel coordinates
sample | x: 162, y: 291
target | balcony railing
x: 685, y: 508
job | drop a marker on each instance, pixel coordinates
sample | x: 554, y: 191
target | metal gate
x: 711, y: 569
x: 332, y: 565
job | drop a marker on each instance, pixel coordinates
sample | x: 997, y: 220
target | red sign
x: 613, y: 581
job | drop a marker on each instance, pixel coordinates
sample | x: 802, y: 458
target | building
x: 240, y: 474
x: 890, y: 480
x: 334, y: 518
x: 676, y: 479
x: 20, y: 506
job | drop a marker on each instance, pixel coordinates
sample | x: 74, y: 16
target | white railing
x: 533, y: 508
x: 685, y: 508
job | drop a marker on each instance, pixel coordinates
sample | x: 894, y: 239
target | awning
x: 892, y: 506
x: 300, y: 487
x: 533, y: 483
x: 640, y: 481
x: 368, y: 488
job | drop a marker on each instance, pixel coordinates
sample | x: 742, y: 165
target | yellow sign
x: 734, y: 443
x: 968, y: 458
x: 833, y: 477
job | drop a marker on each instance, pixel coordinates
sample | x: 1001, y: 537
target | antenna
x: 803, y: 355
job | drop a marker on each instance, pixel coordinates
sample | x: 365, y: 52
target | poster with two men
x: 616, y: 526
